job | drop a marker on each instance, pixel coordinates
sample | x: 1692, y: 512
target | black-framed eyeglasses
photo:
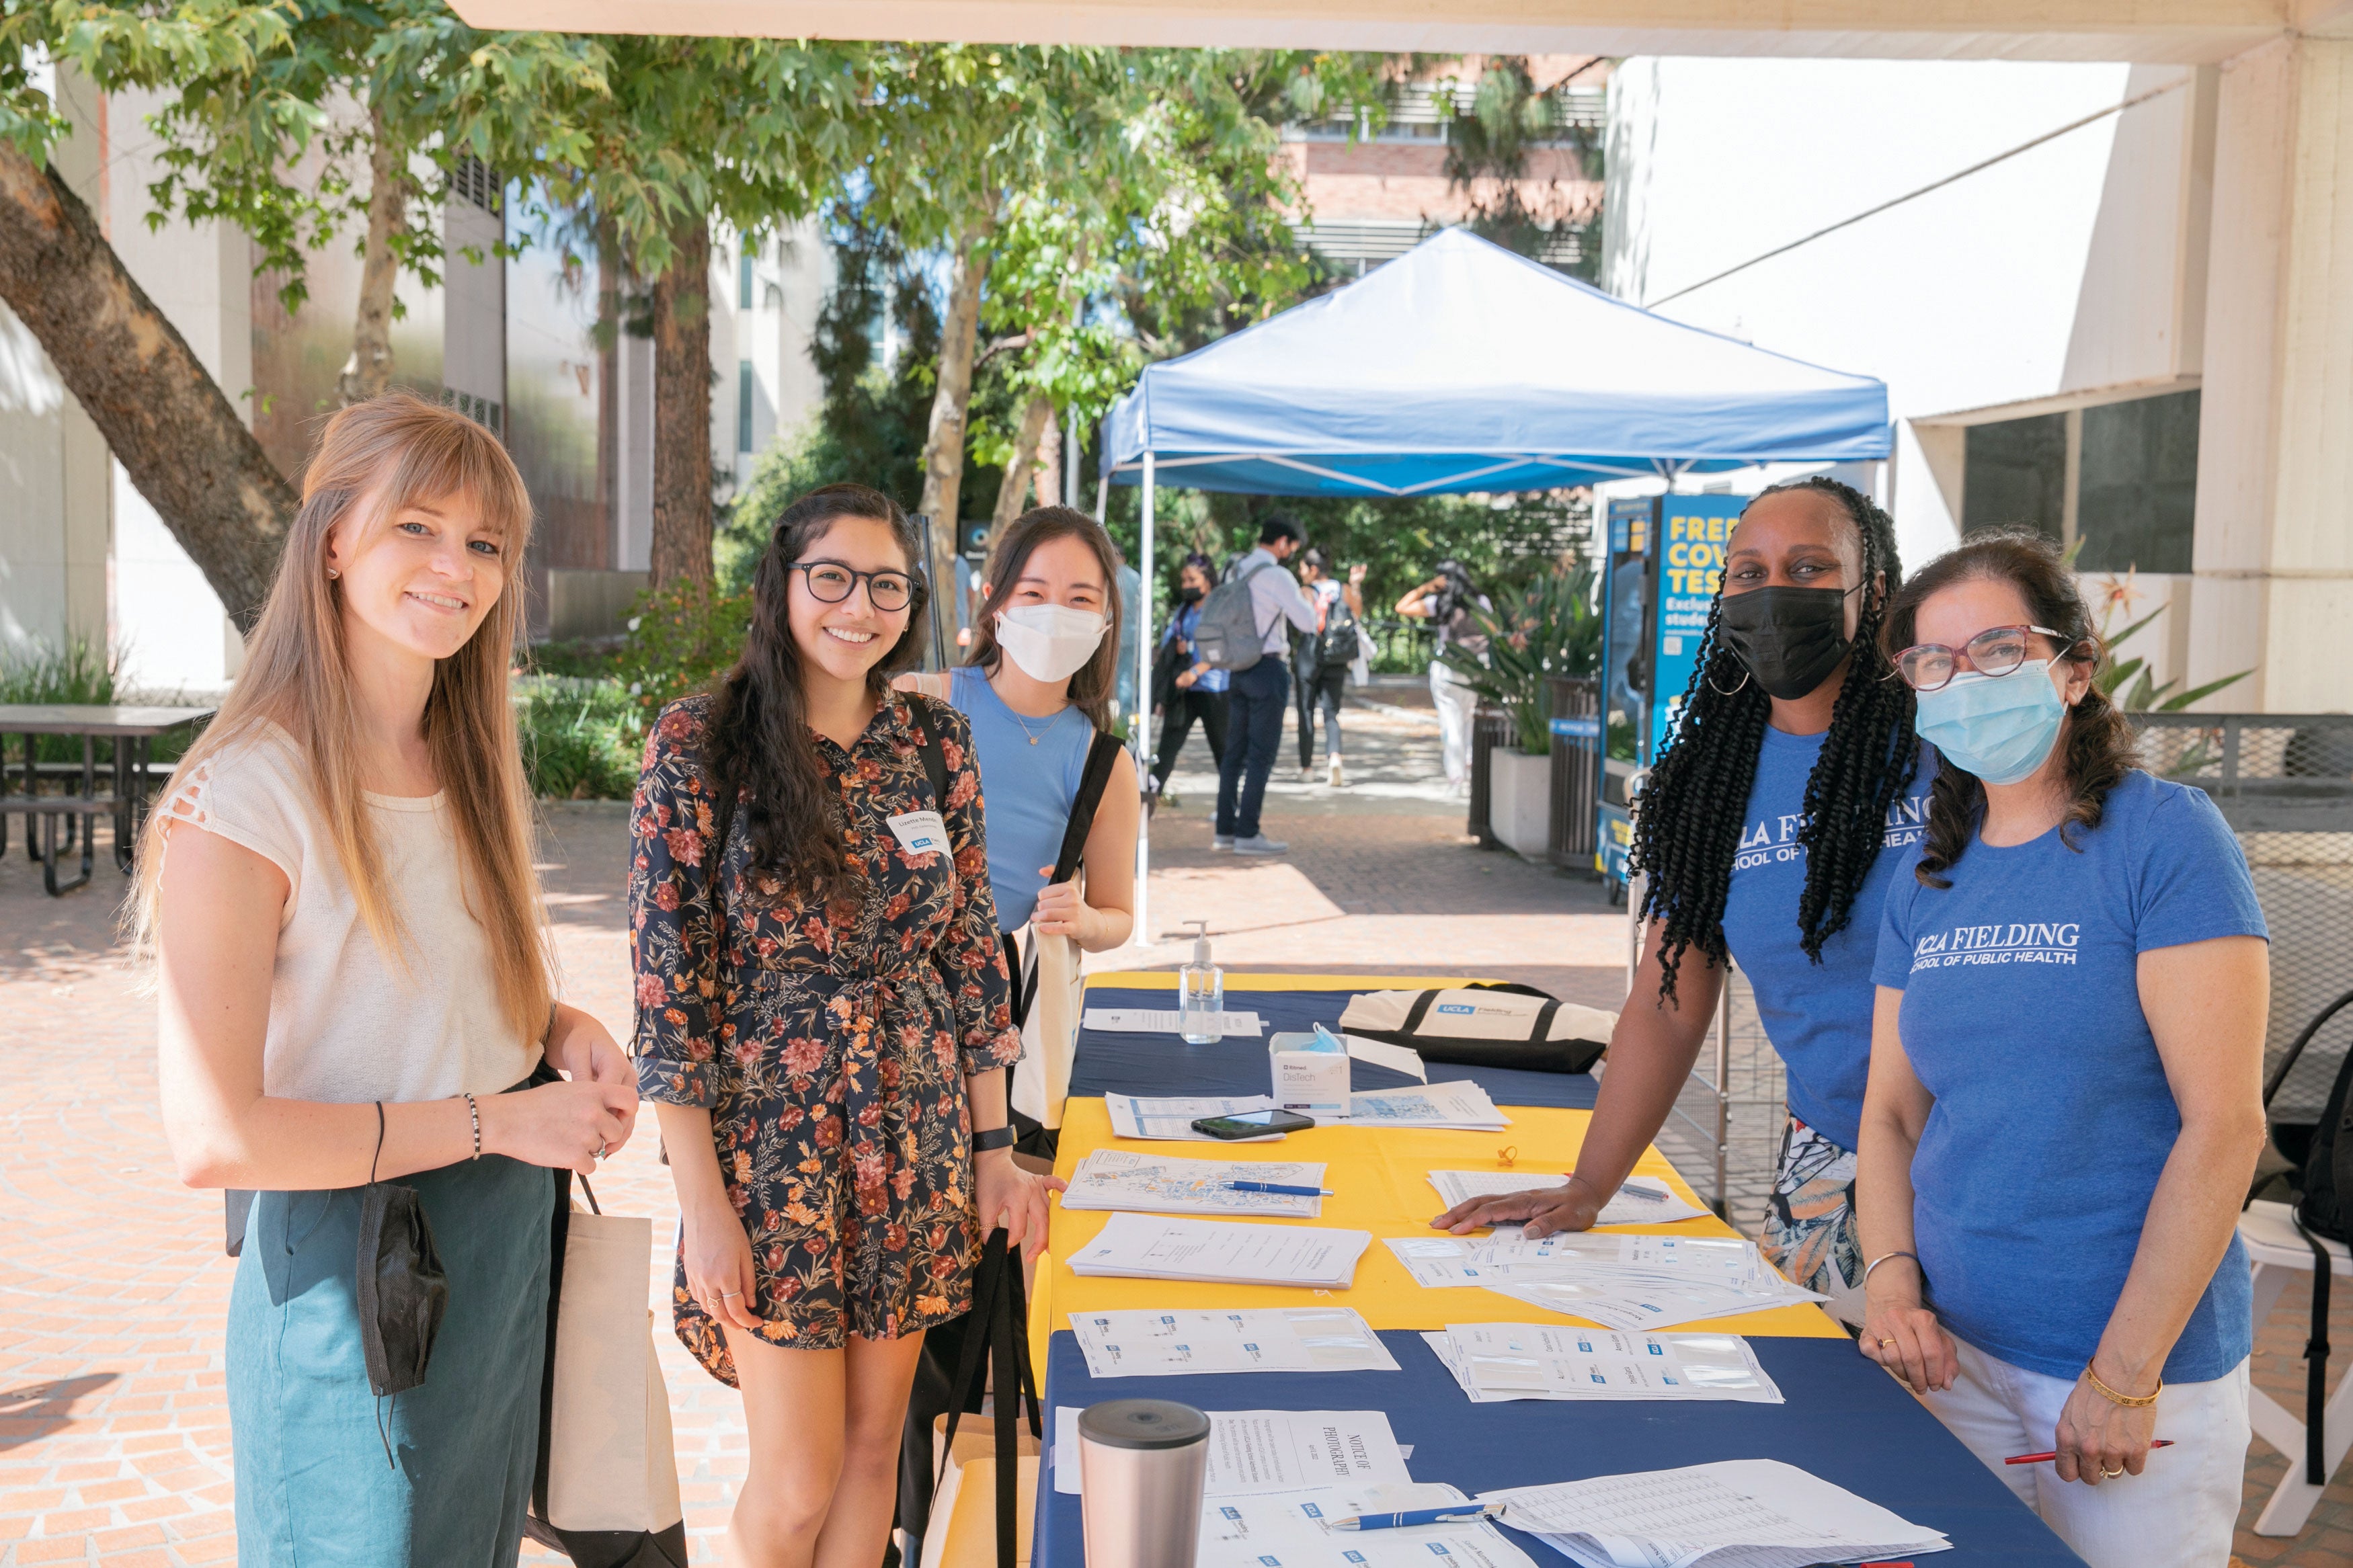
x: 1996, y: 650
x: 830, y: 581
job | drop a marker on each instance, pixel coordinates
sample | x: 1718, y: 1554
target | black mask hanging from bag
x: 403, y: 1290
x: 1790, y: 639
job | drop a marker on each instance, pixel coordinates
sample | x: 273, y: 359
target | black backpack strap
x: 927, y: 743
x: 999, y: 1328
x: 2315, y: 1361
x: 1092, y: 783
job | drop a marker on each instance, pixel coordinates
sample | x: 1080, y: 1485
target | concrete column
x: 2273, y: 558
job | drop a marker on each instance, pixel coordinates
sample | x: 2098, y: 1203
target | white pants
x: 1455, y: 703
x: 2179, y: 1512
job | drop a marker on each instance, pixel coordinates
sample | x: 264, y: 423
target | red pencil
x: 2046, y: 1458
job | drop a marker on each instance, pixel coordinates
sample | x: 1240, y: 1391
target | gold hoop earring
x: 1720, y: 691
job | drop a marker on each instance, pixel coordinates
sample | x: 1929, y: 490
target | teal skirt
x: 435, y: 1477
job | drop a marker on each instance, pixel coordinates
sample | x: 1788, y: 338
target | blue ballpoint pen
x: 1278, y: 1188
x: 1451, y: 1513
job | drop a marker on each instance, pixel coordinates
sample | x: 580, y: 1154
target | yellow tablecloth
x: 1381, y: 1179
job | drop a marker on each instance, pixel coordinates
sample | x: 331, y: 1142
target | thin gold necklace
x: 1035, y: 735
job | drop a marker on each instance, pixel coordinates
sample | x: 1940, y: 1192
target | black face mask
x: 1790, y: 639
x: 1190, y: 595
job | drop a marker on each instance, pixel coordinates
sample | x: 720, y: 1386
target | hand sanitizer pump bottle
x: 1201, y: 992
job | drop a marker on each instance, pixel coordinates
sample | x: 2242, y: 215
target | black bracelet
x: 995, y: 1138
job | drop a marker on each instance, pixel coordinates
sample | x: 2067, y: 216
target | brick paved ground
x: 113, y: 1441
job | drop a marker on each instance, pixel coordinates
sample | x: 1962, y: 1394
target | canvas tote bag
x: 1490, y: 1026
x: 606, y: 1494
x: 1052, y: 991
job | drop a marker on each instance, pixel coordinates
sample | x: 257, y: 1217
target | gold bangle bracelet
x: 2128, y: 1401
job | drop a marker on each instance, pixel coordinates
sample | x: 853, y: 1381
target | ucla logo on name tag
x: 920, y: 832
x: 1457, y: 1007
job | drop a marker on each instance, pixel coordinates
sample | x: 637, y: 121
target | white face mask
x: 1051, y: 642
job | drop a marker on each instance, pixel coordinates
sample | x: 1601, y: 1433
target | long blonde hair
x: 386, y: 454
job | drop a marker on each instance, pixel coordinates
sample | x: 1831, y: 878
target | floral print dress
x: 830, y: 1042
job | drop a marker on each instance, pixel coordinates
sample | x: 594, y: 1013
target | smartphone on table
x: 1253, y: 1123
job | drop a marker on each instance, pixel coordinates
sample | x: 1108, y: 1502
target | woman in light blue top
x: 1038, y: 690
x: 2064, y: 1107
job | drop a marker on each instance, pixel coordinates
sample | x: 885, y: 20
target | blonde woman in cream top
x: 352, y: 961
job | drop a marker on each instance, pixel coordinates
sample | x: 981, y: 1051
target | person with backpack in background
x: 1325, y: 654
x: 2064, y: 1103
x: 1184, y: 688
x: 1448, y: 602
x: 1240, y: 631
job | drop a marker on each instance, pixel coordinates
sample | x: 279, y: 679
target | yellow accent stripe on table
x: 1382, y: 1183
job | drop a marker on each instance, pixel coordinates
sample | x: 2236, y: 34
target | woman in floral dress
x: 823, y: 1019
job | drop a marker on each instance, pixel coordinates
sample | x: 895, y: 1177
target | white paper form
x: 1499, y: 1362
x: 1142, y: 1116
x: 1279, y: 1338
x: 1492, y: 1260
x: 1272, y: 1450
x: 1635, y: 1203
x: 1290, y: 1529
x: 1738, y: 1513
x: 1637, y: 1306
x: 1152, y: 1246
x: 1151, y: 1021
x: 1164, y: 1183
x: 1454, y: 1103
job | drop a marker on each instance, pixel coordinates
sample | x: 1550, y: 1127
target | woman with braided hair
x: 1767, y: 834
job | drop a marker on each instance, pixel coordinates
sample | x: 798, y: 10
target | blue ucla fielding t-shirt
x: 1817, y: 1015
x: 2021, y: 1015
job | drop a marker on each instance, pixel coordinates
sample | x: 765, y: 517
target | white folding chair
x: 2277, y: 1249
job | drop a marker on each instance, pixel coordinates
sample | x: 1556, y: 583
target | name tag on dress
x: 920, y: 832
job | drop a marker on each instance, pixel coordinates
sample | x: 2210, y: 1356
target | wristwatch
x: 995, y: 1138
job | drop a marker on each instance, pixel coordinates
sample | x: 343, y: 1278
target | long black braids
x: 1688, y: 822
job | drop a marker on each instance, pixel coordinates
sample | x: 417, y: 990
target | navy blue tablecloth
x: 1846, y: 1421
x: 1107, y: 1063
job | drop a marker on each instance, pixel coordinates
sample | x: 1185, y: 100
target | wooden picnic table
x: 56, y: 824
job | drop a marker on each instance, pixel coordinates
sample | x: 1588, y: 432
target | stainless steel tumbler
x: 1140, y: 1466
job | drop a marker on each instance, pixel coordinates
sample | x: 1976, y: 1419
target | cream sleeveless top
x: 349, y: 1022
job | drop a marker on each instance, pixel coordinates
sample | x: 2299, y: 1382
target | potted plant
x: 1548, y: 627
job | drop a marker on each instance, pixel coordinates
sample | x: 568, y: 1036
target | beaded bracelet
x: 475, y: 1112
x: 2129, y: 1402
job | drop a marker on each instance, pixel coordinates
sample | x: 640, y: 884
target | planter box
x: 1519, y: 801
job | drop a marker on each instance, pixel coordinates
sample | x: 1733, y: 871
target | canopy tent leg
x: 1140, y: 931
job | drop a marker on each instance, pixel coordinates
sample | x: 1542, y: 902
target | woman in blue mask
x: 1768, y: 834
x: 2064, y: 1107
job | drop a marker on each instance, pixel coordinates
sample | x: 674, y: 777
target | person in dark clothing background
x: 1324, y: 656
x: 1257, y: 696
x: 1183, y: 688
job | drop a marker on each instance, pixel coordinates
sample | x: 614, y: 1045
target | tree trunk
x: 951, y: 404
x: 1013, y: 495
x: 164, y: 417
x: 682, y: 542
x: 369, y: 370
x: 1050, y: 461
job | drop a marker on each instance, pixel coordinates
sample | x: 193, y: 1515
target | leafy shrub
x: 679, y: 637
x: 581, y: 739
x: 581, y: 659
x: 1551, y: 626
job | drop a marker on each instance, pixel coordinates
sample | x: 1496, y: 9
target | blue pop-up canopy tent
x: 1463, y: 367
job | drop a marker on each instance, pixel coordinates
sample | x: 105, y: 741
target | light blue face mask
x: 1998, y: 727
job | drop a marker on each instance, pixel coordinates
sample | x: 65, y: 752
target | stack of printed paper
x: 1277, y: 1339
x: 1498, y: 1361
x: 1456, y: 1103
x: 1738, y: 1513
x: 1635, y: 1202
x: 1149, y: 1246
x: 1260, y: 1451
x: 1154, y: 1021
x: 1161, y: 1184
x: 1142, y: 1116
x: 1624, y: 1282
x: 1295, y: 1530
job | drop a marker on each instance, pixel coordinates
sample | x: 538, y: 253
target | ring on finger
x: 2112, y: 1475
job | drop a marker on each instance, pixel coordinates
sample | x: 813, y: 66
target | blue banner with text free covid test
x: 1688, y: 560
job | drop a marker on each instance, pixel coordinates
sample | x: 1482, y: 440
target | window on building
x: 2016, y: 473
x: 743, y: 405
x: 744, y: 279
x: 2117, y: 479
x: 2138, y: 493
x: 474, y: 180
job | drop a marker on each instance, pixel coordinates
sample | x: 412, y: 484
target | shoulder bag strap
x: 1417, y: 1013
x: 1101, y: 756
x: 927, y: 738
